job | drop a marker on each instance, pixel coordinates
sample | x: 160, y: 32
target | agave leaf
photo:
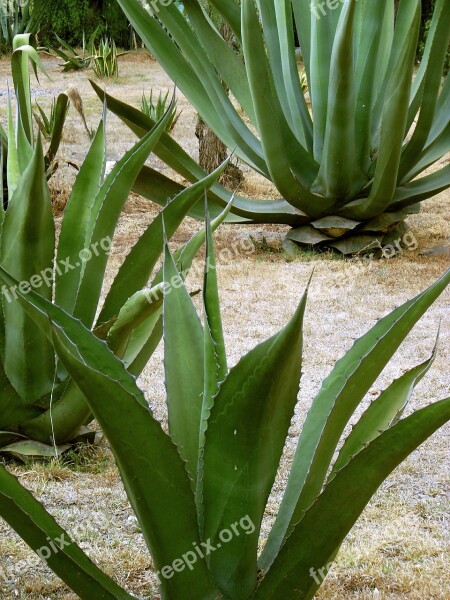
x: 231, y: 13
x: 431, y: 85
x: 148, y: 182
x: 31, y: 449
x: 7, y: 437
x: 303, y: 16
x: 183, y: 365
x: 442, y: 111
x: 27, y: 250
x: 372, y: 16
x: 278, y: 29
x: 138, y: 266
x: 385, y: 411
x: 62, y: 419
x: 36, y: 527
x: 103, y: 218
x: 224, y: 59
x: 340, y: 175
x: 430, y: 154
x: 183, y: 257
x: 418, y: 87
x: 215, y: 358
x: 155, y: 479
x: 194, y: 74
x: 357, y: 243
x: 394, y: 115
x: 421, y: 189
x: 13, y: 409
x: 214, y: 345
x: 307, y: 235
x: 156, y: 187
x: 334, y: 513
x: 319, y: 70
x: 22, y: 53
x: 245, y: 436
x: 77, y: 214
x: 138, y: 308
x: 12, y: 165
x: 341, y: 393
x: 60, y: 114
x: 269, y: 114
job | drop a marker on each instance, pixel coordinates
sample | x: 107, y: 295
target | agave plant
x: 347, y: 168
x: 73, y: 60
x: 104, y: 60
x: 19, y: 139
x: 48, y: 123
x: 16, y: 18
x: 41, y: 409
x: 155, y: 110
x: 199, y: 491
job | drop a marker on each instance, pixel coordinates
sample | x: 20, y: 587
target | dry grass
x: 400, y: 546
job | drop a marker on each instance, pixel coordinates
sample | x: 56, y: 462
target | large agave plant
x: 41, y: 408
x: 200, y: 490
x: 346, y: 168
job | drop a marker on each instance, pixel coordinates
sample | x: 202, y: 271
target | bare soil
x: 400, y: 547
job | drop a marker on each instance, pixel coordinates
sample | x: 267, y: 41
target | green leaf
x: 421, y: 189
x: 31, y: 449
x: 13, y: 409
x: 340, y: 174
x: 245, y: 437
x: 372, y: 20
x: 154, y: 476
x: 103, y: 219
x: 394, y: 114
x: 77, y: 215
x: 341, y: 393
x: 41, y: 532
x: 183, y: 365
x: 138, y: 308
x: 186, y: 61
x: 27, y: 250
x: 275, y: 133
x: 278, y: 29
x: 439, y: 43
x: 61, y: 106
x: 385, y: 411
x: 334, y: 513
x: 63, y: 418
x: 215, y: 358
x: 222, y: 56
x: 183, y: 257
x: 158, y: 188
x: 140, y: 262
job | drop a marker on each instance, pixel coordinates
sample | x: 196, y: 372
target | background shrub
x: 427, y: 13
x: 70, y: 18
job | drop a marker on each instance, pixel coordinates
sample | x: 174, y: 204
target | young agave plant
x: 41, y: 408
x: 199, y: 491
x: 19, y: 139
x: 347, y: 168
x: 155, y: 110
x: 105, y: 60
